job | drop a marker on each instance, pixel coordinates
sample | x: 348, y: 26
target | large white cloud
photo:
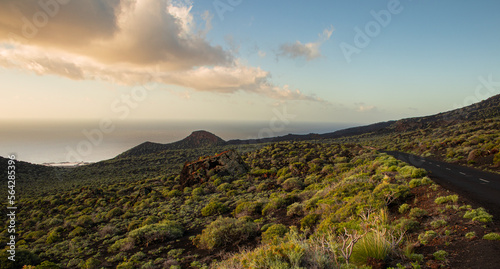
x: 128, y: 42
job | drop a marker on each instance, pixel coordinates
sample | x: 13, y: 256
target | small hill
x: 197, y: 139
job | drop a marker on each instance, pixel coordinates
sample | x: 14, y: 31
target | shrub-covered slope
x: 301, y: 205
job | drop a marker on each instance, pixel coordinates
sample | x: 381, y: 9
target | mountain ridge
x: 485, y: 109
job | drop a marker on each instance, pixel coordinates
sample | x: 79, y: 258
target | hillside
x: 297, y: 203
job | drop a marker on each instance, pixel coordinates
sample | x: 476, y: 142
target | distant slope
x: 28, y: 174
x: 489, y: 108
x: 196, y: 139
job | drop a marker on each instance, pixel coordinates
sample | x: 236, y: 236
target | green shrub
x: 214, y: 208
x: 77, y: 231
x: 47, y: 265
x: 124, y: 244
x: 440, y: 255
x: 407, y: 224
x: 426, y: 181
x: 415, y: 183
x: 479, y: 214
x: 134, y: 225
x: 175, y: 193
x: 85, y: 221
x: 225, y: 231
x: 438, y: 223
x: 115, y: 212
x: 372, y: 245
x: 138, y: 256
x: 224, y: 187
x: 157, y: 232
x: 470, y: 235
x: 273, y: 206
x: 446, y: 199
x: 295, y: 209
x: 391, y: 192
x: 91, y: 263
x: 247, y: 209
x: 292, y: 184
x: 198, y: 192
x: 126, y: 265
x: 274, y: 231
x: 426, y: 237
x: 309, y: 221
x: 410, y: 171
x: 54, y: 236
x: 492, y: 236
x: 419, y: 172
x: 417, y: 212
x: 404, y: 208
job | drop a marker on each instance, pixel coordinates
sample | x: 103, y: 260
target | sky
x: 353, y: 62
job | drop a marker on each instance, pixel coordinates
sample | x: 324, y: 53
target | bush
x: 198, y: 192
x: 438, y: 223
x: 77, y: 231
x: 224, y: 187
x: 274, y: 231
x: 479, y: 214
x: 470, y: 235
x: 404, y: 208
x: 410, y: 171
x: 174, y: 193
x: 214, y: 208
x: 115, y: 212
x: 157, y: 232
x: 54, y: 236
x: 91, y: 263
x: 372, y: 245
x: 85, y: 221
x: 417, y: 212
x: 415, y: 183
x: 440, y: 255
x: 492, y: 236
x: 273, y: 206
x: 418, y: 172
x: 247, y: 209
x: 446, y: 199
x: 225, y: 231
x: 309, y: 221
x: 124, y: 244
x: 426, y: 237
x: 295, y: 209
x: 407, y: 224
x: 292, y: 184
x: 134, y: 225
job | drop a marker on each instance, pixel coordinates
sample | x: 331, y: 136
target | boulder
x: 227, y: 163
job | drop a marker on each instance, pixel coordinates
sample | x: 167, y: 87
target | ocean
x: 91, y: 141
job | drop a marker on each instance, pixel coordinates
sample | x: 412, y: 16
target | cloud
x: 362, y: 107
x: 309, y: 51
x: 127, y: 42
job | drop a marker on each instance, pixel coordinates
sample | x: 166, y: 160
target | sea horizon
x: 43, y: 142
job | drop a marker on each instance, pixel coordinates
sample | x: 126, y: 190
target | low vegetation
x: 301, y: 205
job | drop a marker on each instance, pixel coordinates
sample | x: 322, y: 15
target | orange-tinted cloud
x: 128, y: 42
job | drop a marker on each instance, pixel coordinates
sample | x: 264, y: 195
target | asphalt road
x: 478, y: 186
